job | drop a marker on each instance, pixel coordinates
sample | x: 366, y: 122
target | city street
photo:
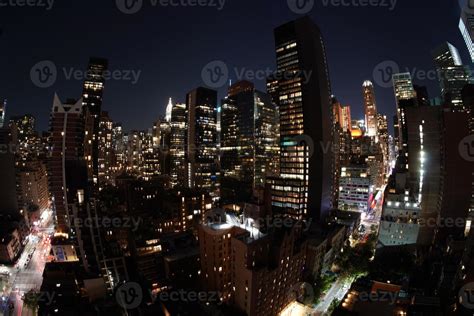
x: 27, y: 273
x: 337, y: 291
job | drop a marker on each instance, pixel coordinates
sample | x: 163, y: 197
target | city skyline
x: 261, y: 185
x: 153, y: 89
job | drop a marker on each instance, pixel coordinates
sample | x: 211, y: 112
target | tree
x: 31, y: 300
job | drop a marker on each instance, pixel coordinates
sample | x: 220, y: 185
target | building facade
x: 304, y: 188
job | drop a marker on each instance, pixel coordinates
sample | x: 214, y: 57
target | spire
x: 169, y: 109
x: 3, y: 108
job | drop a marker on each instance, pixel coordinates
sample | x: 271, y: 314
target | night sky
x: 171, y: 45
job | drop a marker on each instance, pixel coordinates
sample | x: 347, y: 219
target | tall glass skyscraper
x: 405, y: 96
x: 92, y: 93
x: 179, y: 126
x: 453, y: 75
x: 370, y: 108
x: 466, y: 26
x: 304, y: 188
x: 66, y: 167
x: 250, y: 135
x: 202, y: 139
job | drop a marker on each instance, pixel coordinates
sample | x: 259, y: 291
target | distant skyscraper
x: 169, y: 110
x: 405, y: 96
x: 3, y: 108
x: 466, y: 26
x: 370, y: 108
x: 202, y: 138
x: 304, y: 189
x: 106, y: 157
x: 250, y: 136
x: 453, y: 75
x: 151, y: 157
x: 342, y: 116
x: 92, y: 94
x: 66, y: 158
x: 383, y: 137
x: 165, y: 146
x: 24, y: 134
x: 179, y: 128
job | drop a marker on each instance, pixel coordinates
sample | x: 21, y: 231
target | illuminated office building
x: 202, y: 139
x: 177, y: 152
x: 151, y: 159
x: 453, y: 75
x: 249, y: 135
x: 29, y: 143
x: 466, y: 26
x: 106, y: 151
x: 342, y: 116
x: 399, y: 224
x: 304, y: 188
x: 405, y: 96
x: 65, y: 164
x: 370, y: 108
x: 92, y: 94
x: 383, y: 138
x: 355, y: 188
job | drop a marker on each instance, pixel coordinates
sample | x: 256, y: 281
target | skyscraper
x: 202, y: 138
x: 106, y: 159
x: 250, y: 140
x: 466, y: 26
x: 169, y: 110
x: 3, y: 108
x: 383, y: 136
x: 66, y: 158
x: 304, y: 188
x: 453, y: 75
x: 370, y: 108
x: 405, y: 96
x: 92, y: 94
x: 342, y: 116
x: 179, y: 127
